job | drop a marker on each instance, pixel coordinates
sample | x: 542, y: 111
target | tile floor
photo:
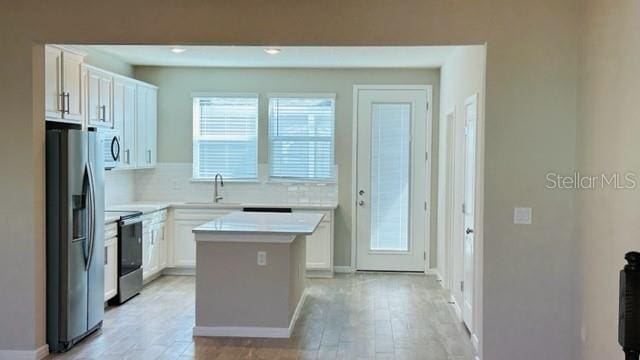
x: 359, y: 316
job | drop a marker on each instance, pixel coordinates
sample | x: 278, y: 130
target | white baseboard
x: 456, y: 308
x: 37, y: 354
x: 179, y: 271
x: 343, y: 269
x: 250, y: 331
x: 476, y: 344
x: 319, y: 273
x: 436, y: 273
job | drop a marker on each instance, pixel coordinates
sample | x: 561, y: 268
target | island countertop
x: 258, y: 223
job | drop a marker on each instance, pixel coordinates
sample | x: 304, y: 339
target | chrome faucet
x: 216, y: 195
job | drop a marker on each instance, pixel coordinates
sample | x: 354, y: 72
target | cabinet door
x: 319, y: 247
x: 142, y: 156
x: 162, y: 246
x: 184, y: 244
x: 72, y: 86
x: 118, y: 116
x: 147, y: 250
x: 94, y: 114
x: 53, y: 83
x: 110, y: 268
x: 152, y: 126
x: 128, y: 125
x: 154, y: 259
x: 105, y: 97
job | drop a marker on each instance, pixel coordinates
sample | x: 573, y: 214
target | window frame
x: 302, y: 95
x: 196, y: 137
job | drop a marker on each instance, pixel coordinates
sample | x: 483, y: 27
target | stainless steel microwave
x: 111, y: 148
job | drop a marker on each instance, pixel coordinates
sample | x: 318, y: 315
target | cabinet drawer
x: 111, y: 230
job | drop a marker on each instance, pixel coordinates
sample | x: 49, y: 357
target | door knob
x: 469, y: 231
x: 361, y: 202
x: 361, y: 192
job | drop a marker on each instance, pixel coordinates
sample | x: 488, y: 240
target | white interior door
x: 471, y: 116
x: 390, y: 180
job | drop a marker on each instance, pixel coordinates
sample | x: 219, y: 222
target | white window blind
x: 225, y: 137
x: 301, y: 133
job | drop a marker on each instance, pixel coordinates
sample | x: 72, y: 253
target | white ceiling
x: 290, y: 56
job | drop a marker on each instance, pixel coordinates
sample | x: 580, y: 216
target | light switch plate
x: 522, y: 215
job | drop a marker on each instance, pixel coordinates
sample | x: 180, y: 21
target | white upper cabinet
x: 99, y: 98
x: 63, y: 85
x: 124, y: 119
x: 146, y: 126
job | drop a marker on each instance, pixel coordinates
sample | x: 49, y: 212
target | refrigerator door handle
x: 92, y: 214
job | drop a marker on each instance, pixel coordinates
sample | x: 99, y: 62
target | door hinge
x: 425, y: 255
x: 427, y: 106
x: 425, y: 206
x: 464, y: 208
x: 461, y: 286
x: 426, y: 155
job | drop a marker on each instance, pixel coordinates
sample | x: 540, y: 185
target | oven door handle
x: 134, y: 220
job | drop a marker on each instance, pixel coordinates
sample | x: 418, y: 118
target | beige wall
x: 608, y: 128
x: 529, y: 272
x: 175, y: 114
x: 461, y: 77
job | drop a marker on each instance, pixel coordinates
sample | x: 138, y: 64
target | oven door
x: 130, y: 245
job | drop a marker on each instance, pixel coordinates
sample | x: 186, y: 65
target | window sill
x: 301, y: 182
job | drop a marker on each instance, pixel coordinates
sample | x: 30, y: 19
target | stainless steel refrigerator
x: 75, y: 236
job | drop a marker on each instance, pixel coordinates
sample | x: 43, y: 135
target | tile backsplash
x: 173, y: 182
x: 119, y: 187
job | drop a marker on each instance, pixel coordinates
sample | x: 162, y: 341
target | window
x: 301, y: 133
x: 225, y: 136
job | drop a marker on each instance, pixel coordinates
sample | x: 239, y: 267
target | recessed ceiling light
x: 272, y: 51
x: 178, y: 50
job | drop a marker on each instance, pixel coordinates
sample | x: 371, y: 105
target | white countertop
x: 226, y: 205
x: 110, y: 218
x: 147, y: 207
x: 245, y: 223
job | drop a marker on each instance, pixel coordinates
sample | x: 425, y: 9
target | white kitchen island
x: 250, y: 279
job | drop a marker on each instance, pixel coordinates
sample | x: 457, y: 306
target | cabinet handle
x: 126, y: 152
x: 66, y: 108
x: 148, y: 156
x: 104, y: 113
x: 61, y: 107
x: 106, y: 256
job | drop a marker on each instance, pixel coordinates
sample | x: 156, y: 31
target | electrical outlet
x: 262, y: 258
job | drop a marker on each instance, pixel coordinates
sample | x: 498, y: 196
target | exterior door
x: 471, y: 116
x: 391, y: 168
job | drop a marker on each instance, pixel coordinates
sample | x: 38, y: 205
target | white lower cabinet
x: 110, y: 261
x: 173, y: 246
x: 320, y: 247
x: 184, y: 245
x: 153, y: 244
